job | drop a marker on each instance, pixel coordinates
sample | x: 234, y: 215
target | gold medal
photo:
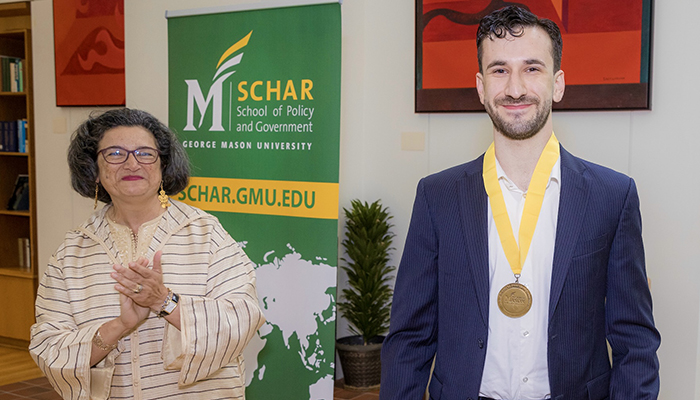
x: 514, y: 300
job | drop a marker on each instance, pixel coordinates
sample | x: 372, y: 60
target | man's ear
x: 480, y: 86
x: 559, y: 86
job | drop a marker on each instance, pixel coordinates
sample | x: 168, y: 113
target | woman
x: 149, y: 298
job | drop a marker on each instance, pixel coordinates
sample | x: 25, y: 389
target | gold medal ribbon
x: 515, y: 254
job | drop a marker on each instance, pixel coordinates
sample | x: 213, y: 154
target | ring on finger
x: 138, y: 289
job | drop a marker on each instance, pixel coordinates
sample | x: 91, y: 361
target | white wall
x: 656, y: 147
x: 59, y: 208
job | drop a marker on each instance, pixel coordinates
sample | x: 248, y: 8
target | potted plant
x: 367, y: 302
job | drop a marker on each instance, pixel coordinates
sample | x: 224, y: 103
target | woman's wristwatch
x: 169, y: 304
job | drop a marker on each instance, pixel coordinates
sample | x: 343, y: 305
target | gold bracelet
x: 97, y: 341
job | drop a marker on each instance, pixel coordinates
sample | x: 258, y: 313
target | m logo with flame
x: 214, y: 97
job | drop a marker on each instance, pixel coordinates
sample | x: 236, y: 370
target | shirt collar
x: 555, y: 175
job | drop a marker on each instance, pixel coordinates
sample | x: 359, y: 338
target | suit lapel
x: 573, y: 199
x: 473, y: 214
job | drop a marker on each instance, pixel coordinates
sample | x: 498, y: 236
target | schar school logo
x: 214, y: 97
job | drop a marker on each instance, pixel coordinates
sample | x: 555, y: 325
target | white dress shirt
x: 516, y: 354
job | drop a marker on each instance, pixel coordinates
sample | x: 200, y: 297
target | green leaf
x: 367, y: 303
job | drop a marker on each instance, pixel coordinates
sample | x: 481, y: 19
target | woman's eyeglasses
x: 119, y: 155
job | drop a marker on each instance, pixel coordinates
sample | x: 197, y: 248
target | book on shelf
x: 24, y: 252
x: 20, y: 79
x: 19, y: 201
x: 7, y: 139
x: 21, y: 125
x: 13, y: 136
x: 5, y: 74
x: 13, y: 77
x: 4, y: 69
x: 12, y: 73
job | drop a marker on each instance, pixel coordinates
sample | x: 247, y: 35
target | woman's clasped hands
x: 141, y: 289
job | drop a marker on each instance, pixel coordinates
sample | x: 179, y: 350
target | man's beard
x: 519, y: 129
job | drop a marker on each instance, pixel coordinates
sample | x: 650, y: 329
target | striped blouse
x: 218, y: 305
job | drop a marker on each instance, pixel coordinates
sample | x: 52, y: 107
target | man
x: 520, y: 264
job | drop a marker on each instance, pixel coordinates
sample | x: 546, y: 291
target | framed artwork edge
x: 599, y: 97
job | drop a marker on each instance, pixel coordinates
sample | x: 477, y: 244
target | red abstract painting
x: 606, y: 53
x: 89, y: 50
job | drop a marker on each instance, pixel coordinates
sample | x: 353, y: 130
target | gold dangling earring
x: 97, y: 191
x: 163, y: 198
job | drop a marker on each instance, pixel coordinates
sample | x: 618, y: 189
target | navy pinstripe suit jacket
x: 599, y: 291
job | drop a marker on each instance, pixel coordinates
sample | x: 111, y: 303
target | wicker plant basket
x: 362, y: 366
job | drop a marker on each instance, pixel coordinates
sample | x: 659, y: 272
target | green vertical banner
x: 255, y: 99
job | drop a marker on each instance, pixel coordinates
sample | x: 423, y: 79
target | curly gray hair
x: 82, y: 152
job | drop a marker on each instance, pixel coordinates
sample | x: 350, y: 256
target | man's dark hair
x: 513, y: 20
x: 82, y: 152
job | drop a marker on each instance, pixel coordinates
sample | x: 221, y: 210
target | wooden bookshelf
x: 18, y: 283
